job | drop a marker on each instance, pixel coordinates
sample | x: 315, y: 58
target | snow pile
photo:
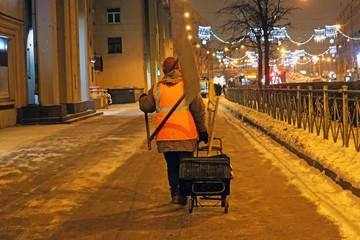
x: 344, y: 162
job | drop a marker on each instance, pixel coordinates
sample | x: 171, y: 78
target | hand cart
x: 206, y: 177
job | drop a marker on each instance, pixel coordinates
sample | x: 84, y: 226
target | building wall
x: 12, y: 25
x: 202, y: 53
x: 13, y: 8
x: 124, y: 69
x: 349, y: 21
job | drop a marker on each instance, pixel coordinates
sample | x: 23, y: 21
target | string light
x: 319, y: 36
x: 299, y: 43
x: 352, y: 38
x: 304, y: 62
x: 236, y: 59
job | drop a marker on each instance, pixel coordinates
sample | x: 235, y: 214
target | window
x: 115, y: 45
x: 113, y: 15
x: 4, y: 69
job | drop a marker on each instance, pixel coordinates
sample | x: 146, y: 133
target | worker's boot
x: 183, y: 199
x: 175, y: 198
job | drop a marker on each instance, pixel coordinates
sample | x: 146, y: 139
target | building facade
x: 348, y: 63
x: 53, y: 51
x: 134, y: 37
x: 13, y: 84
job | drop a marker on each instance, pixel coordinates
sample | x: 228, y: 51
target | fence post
x: 326, y: 113
x: 289, y: 113
x: 311, y: 110
x: 345, y: 115
x: 238, y: 97
x: 298, y: 103
x: 257, y: 99
x: 267, y: 102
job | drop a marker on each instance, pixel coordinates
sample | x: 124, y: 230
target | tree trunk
x: 267, y: 57
x: 260, y: 63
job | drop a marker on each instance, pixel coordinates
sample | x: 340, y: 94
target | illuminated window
x: 115, y: 45
x: 4, y: 69
x: 113, y: 15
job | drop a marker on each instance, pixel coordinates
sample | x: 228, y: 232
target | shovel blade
x: 189, y: 71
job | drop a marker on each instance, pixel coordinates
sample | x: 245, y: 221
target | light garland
x: 239, y: 66
x: 280, y: 33
x: 318, y: 55
x: 227, y: 42
x: 352, y: 38
x: 236, y: 59
x: 304, y: 62
x: 299, y: 43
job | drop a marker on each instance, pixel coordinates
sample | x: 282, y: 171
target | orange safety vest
x: 180, y: 125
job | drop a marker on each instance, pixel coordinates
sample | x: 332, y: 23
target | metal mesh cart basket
x: 206, y: 177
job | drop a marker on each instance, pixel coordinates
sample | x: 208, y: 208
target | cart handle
x: 205, y: 148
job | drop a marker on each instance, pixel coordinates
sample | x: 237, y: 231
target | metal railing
x: 334, y: 114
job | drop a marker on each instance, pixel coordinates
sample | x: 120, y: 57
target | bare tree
x: 260, y: 17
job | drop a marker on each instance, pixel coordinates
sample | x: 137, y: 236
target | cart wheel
x: 191, y: 205
x: 226, y: 206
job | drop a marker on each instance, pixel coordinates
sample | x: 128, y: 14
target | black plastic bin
x: 125, y: 95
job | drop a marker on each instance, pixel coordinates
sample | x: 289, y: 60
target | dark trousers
x: 173, y: 164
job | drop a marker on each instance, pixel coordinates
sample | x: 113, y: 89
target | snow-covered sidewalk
x: 340, y: 163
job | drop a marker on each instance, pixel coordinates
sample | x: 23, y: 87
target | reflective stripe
x: 166, y: 109
x: 158, y: 94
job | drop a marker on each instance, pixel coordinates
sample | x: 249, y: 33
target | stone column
x: 47, y: 52
x: 70, y: 57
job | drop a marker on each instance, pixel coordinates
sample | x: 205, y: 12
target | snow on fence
x: 332, y: 113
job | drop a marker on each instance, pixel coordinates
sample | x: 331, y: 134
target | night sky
x: 312, y: 14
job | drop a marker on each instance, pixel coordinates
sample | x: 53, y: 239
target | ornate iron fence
x: 333, y: 114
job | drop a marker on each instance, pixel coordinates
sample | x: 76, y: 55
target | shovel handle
x: 147, y: 131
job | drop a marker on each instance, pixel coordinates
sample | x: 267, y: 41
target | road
x: 96, y: 179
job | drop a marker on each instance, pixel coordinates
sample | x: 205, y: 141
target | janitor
x: 178, y: 137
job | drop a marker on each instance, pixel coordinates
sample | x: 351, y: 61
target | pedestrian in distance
x: 178, y: 137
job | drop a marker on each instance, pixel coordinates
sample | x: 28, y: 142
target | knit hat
x: 167, y: 64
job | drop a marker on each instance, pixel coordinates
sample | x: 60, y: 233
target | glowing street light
x: 188, y: 27
x: 187, y: 14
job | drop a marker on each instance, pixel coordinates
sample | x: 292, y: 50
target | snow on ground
x: 340, y: 206
x: 345, y: 162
